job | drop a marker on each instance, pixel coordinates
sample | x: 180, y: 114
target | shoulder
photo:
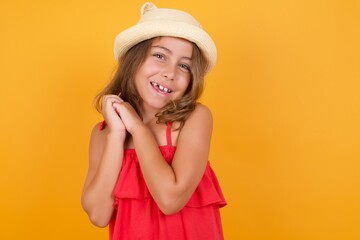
x: 199, y: 121
x: 200, y: 114
x: 99, y: 129
x: 98, y: 135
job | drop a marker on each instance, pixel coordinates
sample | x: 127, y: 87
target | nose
x: 168, y: 72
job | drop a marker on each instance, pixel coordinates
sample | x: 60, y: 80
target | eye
x: 159, y: 56
x: 184, y: 67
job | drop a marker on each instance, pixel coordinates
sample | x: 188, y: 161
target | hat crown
x: 149, y: 12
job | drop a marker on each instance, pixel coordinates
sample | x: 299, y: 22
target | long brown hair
x: 123, y: 82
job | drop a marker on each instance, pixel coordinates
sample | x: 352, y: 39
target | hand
x: 128, y: 115
x: 112, y: 118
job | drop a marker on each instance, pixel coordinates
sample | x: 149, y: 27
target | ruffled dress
x: 137, y: 216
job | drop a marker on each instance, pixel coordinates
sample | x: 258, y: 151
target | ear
x: 146, y: 7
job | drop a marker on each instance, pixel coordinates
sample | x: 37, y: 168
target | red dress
x: 137, y: 216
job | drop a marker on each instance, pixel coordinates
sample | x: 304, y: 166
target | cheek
x: 142, y: 70
x: 148, y: 67
x: 185, y: 81
x: 137, y: 80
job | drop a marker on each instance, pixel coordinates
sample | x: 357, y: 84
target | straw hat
x: 155, y: 22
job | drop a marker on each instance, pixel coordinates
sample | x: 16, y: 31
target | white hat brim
x: 147, y: 30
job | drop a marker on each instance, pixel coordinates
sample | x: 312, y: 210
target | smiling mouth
x: 160, y: 88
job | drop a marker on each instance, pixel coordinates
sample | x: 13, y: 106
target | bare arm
x: 105, y: 161
x: 172, y: 185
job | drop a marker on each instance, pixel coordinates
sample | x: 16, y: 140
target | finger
x: 117, y: 106
x: 115, y: 96
x: 110, y: 99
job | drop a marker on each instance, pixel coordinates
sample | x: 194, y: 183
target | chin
x: 156, y: 105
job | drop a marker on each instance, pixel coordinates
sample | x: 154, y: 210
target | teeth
x: 162, y: 88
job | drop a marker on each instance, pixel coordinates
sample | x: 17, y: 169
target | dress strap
x: 168, y: 134
x: 102, y: 125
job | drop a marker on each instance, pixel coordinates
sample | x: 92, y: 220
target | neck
x: 148, y: 114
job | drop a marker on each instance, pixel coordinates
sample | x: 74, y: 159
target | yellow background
x: 284, y: 95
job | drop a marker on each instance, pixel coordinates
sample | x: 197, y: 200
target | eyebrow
x: 168, y: 50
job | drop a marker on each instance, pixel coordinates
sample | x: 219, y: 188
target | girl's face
x: 165, y: 73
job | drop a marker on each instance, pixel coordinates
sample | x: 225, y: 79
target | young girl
x: 149, y: 175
